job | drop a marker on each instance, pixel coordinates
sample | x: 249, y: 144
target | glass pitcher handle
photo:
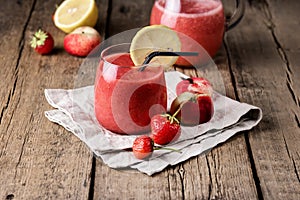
x: 237, y: 15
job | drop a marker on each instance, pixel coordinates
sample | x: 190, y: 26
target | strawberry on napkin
x: 74, y: 110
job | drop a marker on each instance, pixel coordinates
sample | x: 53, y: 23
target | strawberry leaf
x: 38, y: 38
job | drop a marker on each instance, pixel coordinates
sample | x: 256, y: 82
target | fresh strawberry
x: 164, y: 129
x: 42, y: 42
x: 142, y: 147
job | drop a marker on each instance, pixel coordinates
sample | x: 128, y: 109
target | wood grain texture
x: 126, y: 15
x: 39, y: 159
x: 263, y: 75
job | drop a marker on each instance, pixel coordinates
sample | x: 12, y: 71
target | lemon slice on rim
x: 155, y: 38
x: 72, y: 14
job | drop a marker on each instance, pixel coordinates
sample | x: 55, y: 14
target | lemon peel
x: 72, y: 14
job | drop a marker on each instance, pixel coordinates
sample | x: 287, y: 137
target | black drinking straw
x: 166, y: 53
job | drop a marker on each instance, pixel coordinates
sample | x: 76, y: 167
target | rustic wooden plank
x: 288, y: 43
x: 10, y: 52
x: 117, y: 184
x: 126, y: 15
x: 10, y: 42
x: 217, y: 175
x: 263, y: 75
x: 103, y: 10
x: 38, y: 159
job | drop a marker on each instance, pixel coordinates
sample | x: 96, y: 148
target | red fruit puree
x: 126, y: 98
x: 202, y: 20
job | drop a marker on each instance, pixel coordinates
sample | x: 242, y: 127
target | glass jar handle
x: 238, y: 14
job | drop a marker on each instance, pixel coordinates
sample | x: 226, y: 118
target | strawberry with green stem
x: 42, y: 42
x: 165, y: 128
x: 143, y: 147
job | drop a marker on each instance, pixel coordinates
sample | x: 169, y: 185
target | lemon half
x: 72, y: 14
x: 155, y: 38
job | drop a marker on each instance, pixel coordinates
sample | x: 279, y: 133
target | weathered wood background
x: 259, y: 62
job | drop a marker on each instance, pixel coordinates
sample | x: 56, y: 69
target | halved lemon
x: 155, y: 38
x: 72, y: 14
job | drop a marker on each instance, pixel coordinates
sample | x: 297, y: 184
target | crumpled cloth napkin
x: 74, y: 110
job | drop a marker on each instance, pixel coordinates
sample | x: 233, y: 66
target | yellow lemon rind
x: 89, y: 19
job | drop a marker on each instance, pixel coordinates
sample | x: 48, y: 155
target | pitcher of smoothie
x: 202, y: 20
x: 125, y: 96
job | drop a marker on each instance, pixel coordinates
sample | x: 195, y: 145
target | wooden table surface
x: 260, y: 65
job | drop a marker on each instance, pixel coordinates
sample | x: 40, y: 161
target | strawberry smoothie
x: 126, y: 98
x: 202, y: 20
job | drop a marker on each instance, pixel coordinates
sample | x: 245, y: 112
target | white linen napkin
x: 74, y: 110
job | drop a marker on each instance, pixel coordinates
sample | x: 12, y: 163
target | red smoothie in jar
x: 126, y: 98
x: 202, y: 20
